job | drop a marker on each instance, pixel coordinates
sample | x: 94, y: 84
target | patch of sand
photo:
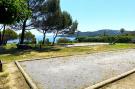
x: 16, y: 79
x: 125, y: 83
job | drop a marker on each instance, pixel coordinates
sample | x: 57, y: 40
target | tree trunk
x: 23, y: 32
x: 3, y: 34
x: 44, y: 33
x: 1, y: 66
x: 54, y: 38
x: 77, y: 34
x: 0, y: 38
x: 0, y: 35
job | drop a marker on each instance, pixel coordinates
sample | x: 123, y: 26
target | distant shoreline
x: 39, y: 38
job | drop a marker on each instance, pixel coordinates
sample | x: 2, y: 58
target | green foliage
x: 40, y: 42
x: 10, y: 10
x: 73, y: 27
x: 53, y: 5
x: 63, y: 41
x: 10, y: 35
x: 67, y: 20
x: 29, y: 37
x: 47, y: 20
x: 57, y: 20
x: 122, y: 30
x: 47, y: 42
x: 110, y: 39
x: 62, y: 20
x: 31, y: 8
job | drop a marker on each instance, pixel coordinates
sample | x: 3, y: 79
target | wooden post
x: 1, y: 69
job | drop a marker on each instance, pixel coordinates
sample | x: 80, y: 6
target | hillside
x: 100, y: 32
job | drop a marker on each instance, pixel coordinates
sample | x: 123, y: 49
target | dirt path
x: 125, y: 83
x: 86, y: 44
x: 77, y: 72
x: 16, y: 80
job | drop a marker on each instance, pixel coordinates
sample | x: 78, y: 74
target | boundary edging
x: 113, y: 79
x: 29, y: 81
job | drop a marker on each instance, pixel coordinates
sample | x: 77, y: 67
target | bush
x: 108, y: 39
x: 124, y: 39
x: 23, y: 46
x: 40, y: 42
x: 63, y: 41
x: 47, y: 42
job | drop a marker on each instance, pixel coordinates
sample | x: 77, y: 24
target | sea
x: 40, y: 38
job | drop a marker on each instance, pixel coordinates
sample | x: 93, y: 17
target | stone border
x: 111, y: 80
x: 29, y: 81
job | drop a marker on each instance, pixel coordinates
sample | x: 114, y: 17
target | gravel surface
x: 86, y: 44
x: 77, y: 72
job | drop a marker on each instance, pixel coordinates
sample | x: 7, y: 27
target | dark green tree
x: 122, y: 30
x: 43, y: 22
x: 10, y: 11
x: 9, y: 35
x: 1, y: 34
x: 73, y: 28
x: 29, y: 37
x: 33, y: 9
x: 61, y: 21
x: 42, y: 27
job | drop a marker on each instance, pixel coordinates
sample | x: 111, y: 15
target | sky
x: 95, y: 15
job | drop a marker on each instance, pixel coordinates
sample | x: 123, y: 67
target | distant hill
x: 100, y: 32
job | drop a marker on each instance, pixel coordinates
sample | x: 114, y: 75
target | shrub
x: 40, y: 42
x: 47, y: 42
x: 109, y: 39
x: 23, y: 46
x: 124, y: 39
x: 63, y: 41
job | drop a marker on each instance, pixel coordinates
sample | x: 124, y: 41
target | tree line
x: 43, y: 15
x: 12, y: 35
x: 123, y: 37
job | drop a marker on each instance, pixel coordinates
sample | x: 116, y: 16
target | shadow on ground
x: 16, y: 52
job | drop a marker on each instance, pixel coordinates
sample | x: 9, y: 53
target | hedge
x: 110, y: 39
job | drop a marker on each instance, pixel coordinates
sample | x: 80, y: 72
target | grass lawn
x: 10, y: 53
x: 4, y: 79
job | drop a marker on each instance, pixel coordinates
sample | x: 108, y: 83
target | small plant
x: 47, y: 42
x: 63, y: 41
x: 24, y: 46
x: 40, y: 42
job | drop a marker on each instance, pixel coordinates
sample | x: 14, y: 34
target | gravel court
x: 86, y: 44
x: 77, y: 72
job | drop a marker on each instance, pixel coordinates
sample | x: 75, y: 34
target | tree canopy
x: 28, y: 37
x: 10, y: 10
x: 61, y: 22
x: 44, y: 15
x: 9, y: 35
x: 122, y: 30
x: 73, y: 27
